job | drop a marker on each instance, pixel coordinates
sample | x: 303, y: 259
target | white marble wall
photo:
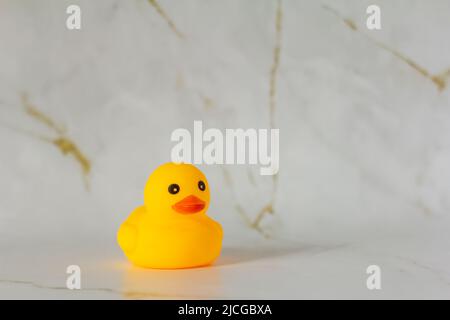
x: 364, y: 118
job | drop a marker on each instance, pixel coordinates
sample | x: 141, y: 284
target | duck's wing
x: 128, y: 231
x: 219, y: 229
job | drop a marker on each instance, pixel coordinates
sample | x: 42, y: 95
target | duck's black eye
x: 201, y: 185
x: 174, y: 188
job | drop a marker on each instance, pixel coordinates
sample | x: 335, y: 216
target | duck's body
x: 173, y: 244
x: 167, y: 239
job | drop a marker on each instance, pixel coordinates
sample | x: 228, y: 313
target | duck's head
x: 179, y: 189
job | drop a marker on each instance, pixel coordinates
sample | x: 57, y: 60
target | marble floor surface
x: 412, y: 266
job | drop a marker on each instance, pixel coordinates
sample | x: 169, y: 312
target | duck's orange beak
x: 189, y: 205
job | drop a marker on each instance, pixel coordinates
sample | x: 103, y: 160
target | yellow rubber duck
x: 171, y: 230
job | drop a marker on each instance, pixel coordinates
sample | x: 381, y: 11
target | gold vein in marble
x: 275, y: 63
x: 32, y: 111
x: 166, y: 17
x: 274, y: 70
x: 208, y: 103
x: 439, y: 80
x: 268, y: 209
x: 128, y: 294
x: 66, y: 145
x: 438, y: 273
